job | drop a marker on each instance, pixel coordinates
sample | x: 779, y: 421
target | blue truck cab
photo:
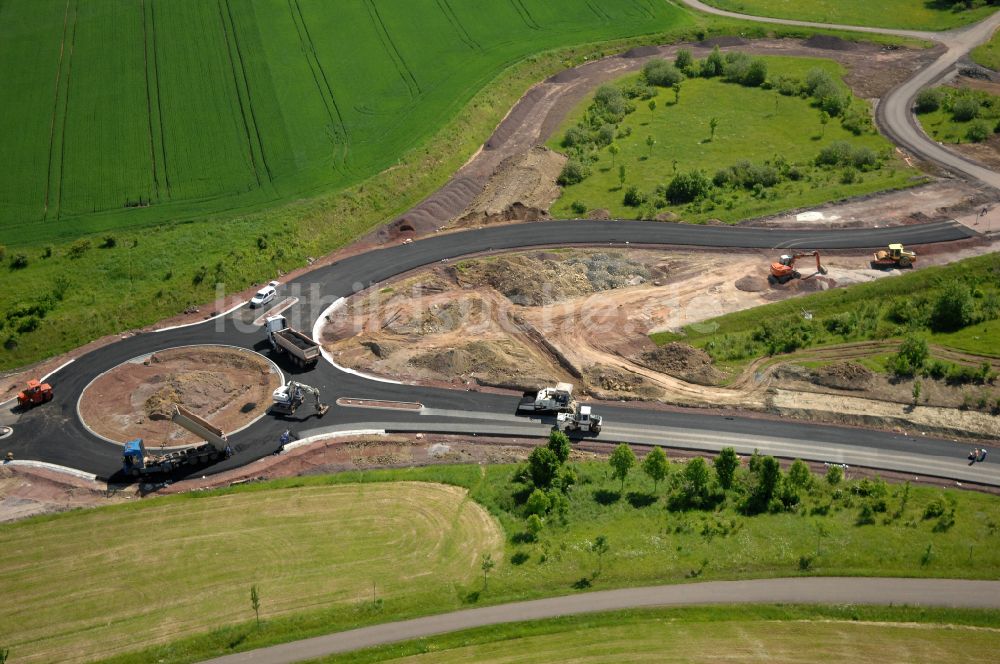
x: 134, y: 456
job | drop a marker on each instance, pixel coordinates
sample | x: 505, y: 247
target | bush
x: 109, y: 242
x: 834, y: 154
x: 979, y: 131
x: 578, y: 207
x: 687, y: 187
x: 573, y: 172
x: 47, y: 251
x: 634, y: 197
x: 661, y: 73
x: 573, y: 137
x: 538, y: 503
x: 799, y: 474
x: 78, y: 248
x: 756, y: 73
x: 18, y: 261
x: 864, y: 159
x: 834, y: 475
x: 817, y: 79
x: 928, y: 101
x: 911, y: 356
x: 965, y: 109
x: 789, y: 86
x: 954, y: 308
x: 610, y: 103
x: 559, y: 444
x: 683, y: 60
x: 713, y: 65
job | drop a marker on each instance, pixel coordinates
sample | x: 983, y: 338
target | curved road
x: 54, y: 433
x: 806, y: 590
x: 894, y: 113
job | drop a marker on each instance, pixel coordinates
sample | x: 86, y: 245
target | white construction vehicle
x: 580, y: 419
x: 558, y: 399
x: 288, y: 398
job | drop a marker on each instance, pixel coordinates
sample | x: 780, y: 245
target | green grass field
x: 104, y: 581
x: 946, y: 125
x: 906, y: 14
x: 988, y: 54
x: 267, y: 534
x: 753, y: 124
x: 125, y: 114
x: 733, y: 634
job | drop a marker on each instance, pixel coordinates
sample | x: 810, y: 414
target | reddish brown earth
x: 229, y: 387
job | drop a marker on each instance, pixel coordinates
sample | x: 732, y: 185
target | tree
x: 916, y: 392
x: 661, y: 73
x: 652, y: 107
x: 912, y: 355
x: 622, y: 460
x: 650, y: 142
x: 621, y: 175
x: 4, y: 654
x: 696, y: 482
x: 559, y: 444
x: 799, y: 474
x: 834, y: 475
x: 538, y: 503
x: 824, y: 118
x: 655, y: 466
x: 255, y: 602
x: 676, y: 87
x: 725, y: 467
x: 954, y: 308
x: 712, y: 124
x: 683, y: 60
x: 600, y: 546
x: 535, y: 525
x: 486, y: 566
x: 767, y: 476
x: 543, y: 464
x: 613, y: 149
x: 713, y: 64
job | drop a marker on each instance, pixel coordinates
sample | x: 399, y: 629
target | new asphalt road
x: 53, y: 433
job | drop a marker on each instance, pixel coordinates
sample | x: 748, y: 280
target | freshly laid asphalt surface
x: 53, y: 433
x: 806, y: 590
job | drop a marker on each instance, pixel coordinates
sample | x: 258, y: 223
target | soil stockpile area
x: 229, y: 387
x: 524, y: 320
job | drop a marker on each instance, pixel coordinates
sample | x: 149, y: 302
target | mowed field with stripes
x: 132, y: 112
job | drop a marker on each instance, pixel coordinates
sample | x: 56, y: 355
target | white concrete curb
x: 329, y: 358
x: 334, y: 434
x: 52, y: 466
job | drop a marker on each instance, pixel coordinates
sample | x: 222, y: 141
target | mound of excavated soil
x: 723, y: 41
x: 681, y: 361
x: 229, y: 387
x: 537, y: 281
x: 603, y: 379
x: 843, y: 376
x: 751, y: 284
x: 493, y: 363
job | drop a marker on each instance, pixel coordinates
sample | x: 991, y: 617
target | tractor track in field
x: 247, y: 120
x: 392, y: 51
x: 55, y: 103
x: 463, y: 33
x: 65, y: 114
x: 149, y: 99
x: 323, y: 87
x: 525, y: 15
x: 246, y: 86
x: 159, y: 97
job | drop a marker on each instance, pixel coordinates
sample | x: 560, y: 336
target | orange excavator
x: 784, y: 270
